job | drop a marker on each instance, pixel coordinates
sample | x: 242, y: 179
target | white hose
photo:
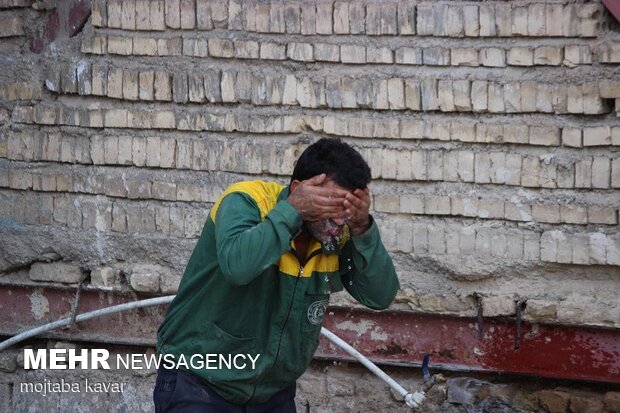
x: 83, y: 317
x: 411, y: 399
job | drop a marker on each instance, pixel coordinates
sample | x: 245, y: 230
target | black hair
x: 337, y: 159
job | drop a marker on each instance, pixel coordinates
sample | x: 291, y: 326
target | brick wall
x: 491, y: 128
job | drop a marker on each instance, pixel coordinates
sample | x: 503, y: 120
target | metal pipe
x: 411, y: 399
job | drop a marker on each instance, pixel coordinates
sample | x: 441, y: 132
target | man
x: 258, y: 282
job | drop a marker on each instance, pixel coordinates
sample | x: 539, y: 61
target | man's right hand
x: 314, y: 202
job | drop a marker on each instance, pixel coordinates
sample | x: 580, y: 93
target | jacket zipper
x: 288, y: 315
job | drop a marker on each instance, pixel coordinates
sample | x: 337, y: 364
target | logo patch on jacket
x: 316, y: 311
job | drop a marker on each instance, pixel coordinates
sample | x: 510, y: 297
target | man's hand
x: 316, y: 203
x: 356, y: 205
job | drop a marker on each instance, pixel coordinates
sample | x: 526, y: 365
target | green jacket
x: 245, y: 292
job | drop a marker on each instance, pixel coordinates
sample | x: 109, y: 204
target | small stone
x: 553, y: 401
x: 104, y: 277
x: 147, y: 277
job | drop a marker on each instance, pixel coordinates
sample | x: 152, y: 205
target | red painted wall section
x: 614, y: 7
x: 61, y: 22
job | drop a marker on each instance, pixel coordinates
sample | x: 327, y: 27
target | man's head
x: 345, y: 171
x: 339, y: 161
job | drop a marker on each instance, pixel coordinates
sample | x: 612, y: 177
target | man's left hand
x: 356, y: 205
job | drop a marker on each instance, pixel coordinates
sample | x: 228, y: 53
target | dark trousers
x: 179, y: 391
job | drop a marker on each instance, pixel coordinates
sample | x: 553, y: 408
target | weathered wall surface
x: 491, y: 128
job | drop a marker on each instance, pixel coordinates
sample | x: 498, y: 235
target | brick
x: 498, y: 306
x: 559, y: 99
x: 434, y: 168
x: 352, y: 54
x: 461, y: 56
x: 425, y: 20
x: 496, y: 103
x: 120, y: 45
x: 59, y: 272
x: 613, y: 249
x: 412, y: 204
x: 292, y: 18
x: 212, y: 85
x: 465, y: 162
x: 545, y: 135
x: 517, y: 212
x: 173, y: 14
x: 409, y: 56
x: 406, y: 18
x: 549, y: 246
x: 548, y: 56
x: 110, y: 145
x: 571, y: 137
x: 146, y: 85
x: 573, y: 214
x: 601, y: 172
x: 597, y: 136
x: 143, y: 15
x: 130, y: 85
x: 602, y: 215
x: 188, y: 14
x: 462, y: 93
x: 471, y: 20
x: 487, y: 20
x: 128, y: 15
x: 546, y: 213
x: 467, y: 240
x: 418, y: 165
x: 308, y: 18
x: 115, y: 83
x: 436, y: 56
x: 445, y: 95
x: 274, y: 51
x: 491, y: 209
x: 530, y: 171
x: 203, y: 15
x: 302, y: 52
x: 467, y: 207
x: 383, y: 55
x: 341, y: 17
x: 221, y: 48
x: 492, y: 57
x: 436, y: 239
x: 553, y: 19
x: 520, y: 56
x: 437, y: 205
x: 536, y: 20
x: 575, y: 55
x: 357, y: 18
x: 454, y: 21
x: 583, y: 173
x: 144, y: 46
x: 396, y: 94
x: 597, y: 249
x: 84, y: 80
x: 326, y: 52
x: 503, y: 19
x: 157, y: 15
x: 498, y: 167
x: 114, y: 12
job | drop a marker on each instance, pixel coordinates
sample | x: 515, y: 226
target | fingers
x: 356, y: 205
x: 316, y: 180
